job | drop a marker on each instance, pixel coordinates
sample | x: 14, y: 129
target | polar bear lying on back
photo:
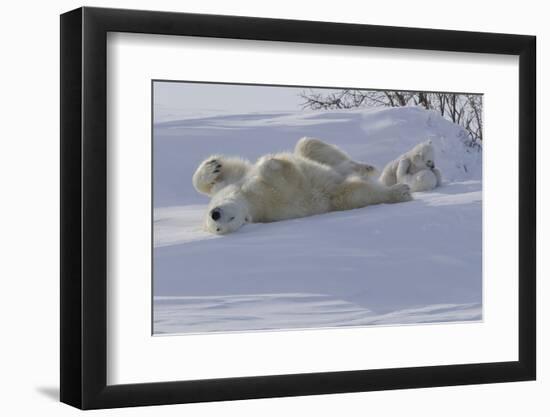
x: 415, y: 168
x: 316, y: 178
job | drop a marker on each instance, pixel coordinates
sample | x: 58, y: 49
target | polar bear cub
x: 316, y: 178
x: 415, y: 168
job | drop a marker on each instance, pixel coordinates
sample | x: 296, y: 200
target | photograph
x: 299, y: 207
x: 320, y: 205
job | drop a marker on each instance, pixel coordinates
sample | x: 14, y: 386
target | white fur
x: 316, y: 178
x: 416, y: 168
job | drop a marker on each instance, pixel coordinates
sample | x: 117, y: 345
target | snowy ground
x: 414, y: 262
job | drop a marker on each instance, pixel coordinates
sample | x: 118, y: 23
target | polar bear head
x: 227, y: 212
x: 422, y: 156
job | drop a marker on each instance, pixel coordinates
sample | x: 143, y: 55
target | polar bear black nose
x: 215, y: 214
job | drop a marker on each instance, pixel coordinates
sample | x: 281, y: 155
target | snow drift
x: 413, y: 262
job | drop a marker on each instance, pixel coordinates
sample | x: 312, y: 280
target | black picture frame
x: 84, y: 207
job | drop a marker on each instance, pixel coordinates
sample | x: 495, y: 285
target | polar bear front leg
x: 277, y: 170
x: 217, y: 172
x: 388, y: 174
x: 207, y: 175
x: 402, y: 170
x: 327, y: 154
x: 437, y: 174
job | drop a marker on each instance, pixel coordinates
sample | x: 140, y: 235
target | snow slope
x: 413, y: 262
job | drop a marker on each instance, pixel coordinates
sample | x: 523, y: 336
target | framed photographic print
x: 258, y: 208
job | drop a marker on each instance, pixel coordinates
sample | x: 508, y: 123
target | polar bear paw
x: 212, y: 171
x: 400, y: 193
x: 208, y: 174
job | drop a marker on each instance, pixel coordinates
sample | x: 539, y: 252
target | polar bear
x: 415, y: 168
x: 316, y: 178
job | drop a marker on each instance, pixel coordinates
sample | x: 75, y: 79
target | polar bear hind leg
x: 327, y: 154
x: 424, y: 180
x: 356, y: 193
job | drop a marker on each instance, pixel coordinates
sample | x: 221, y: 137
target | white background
x: 29, y: 168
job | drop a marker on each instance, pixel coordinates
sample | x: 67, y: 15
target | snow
x: 288, y: 311
x: 415, y: 262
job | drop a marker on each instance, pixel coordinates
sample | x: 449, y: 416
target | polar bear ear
x: 429, y: 141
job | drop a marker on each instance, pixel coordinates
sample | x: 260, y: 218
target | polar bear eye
x: 231, y: 219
